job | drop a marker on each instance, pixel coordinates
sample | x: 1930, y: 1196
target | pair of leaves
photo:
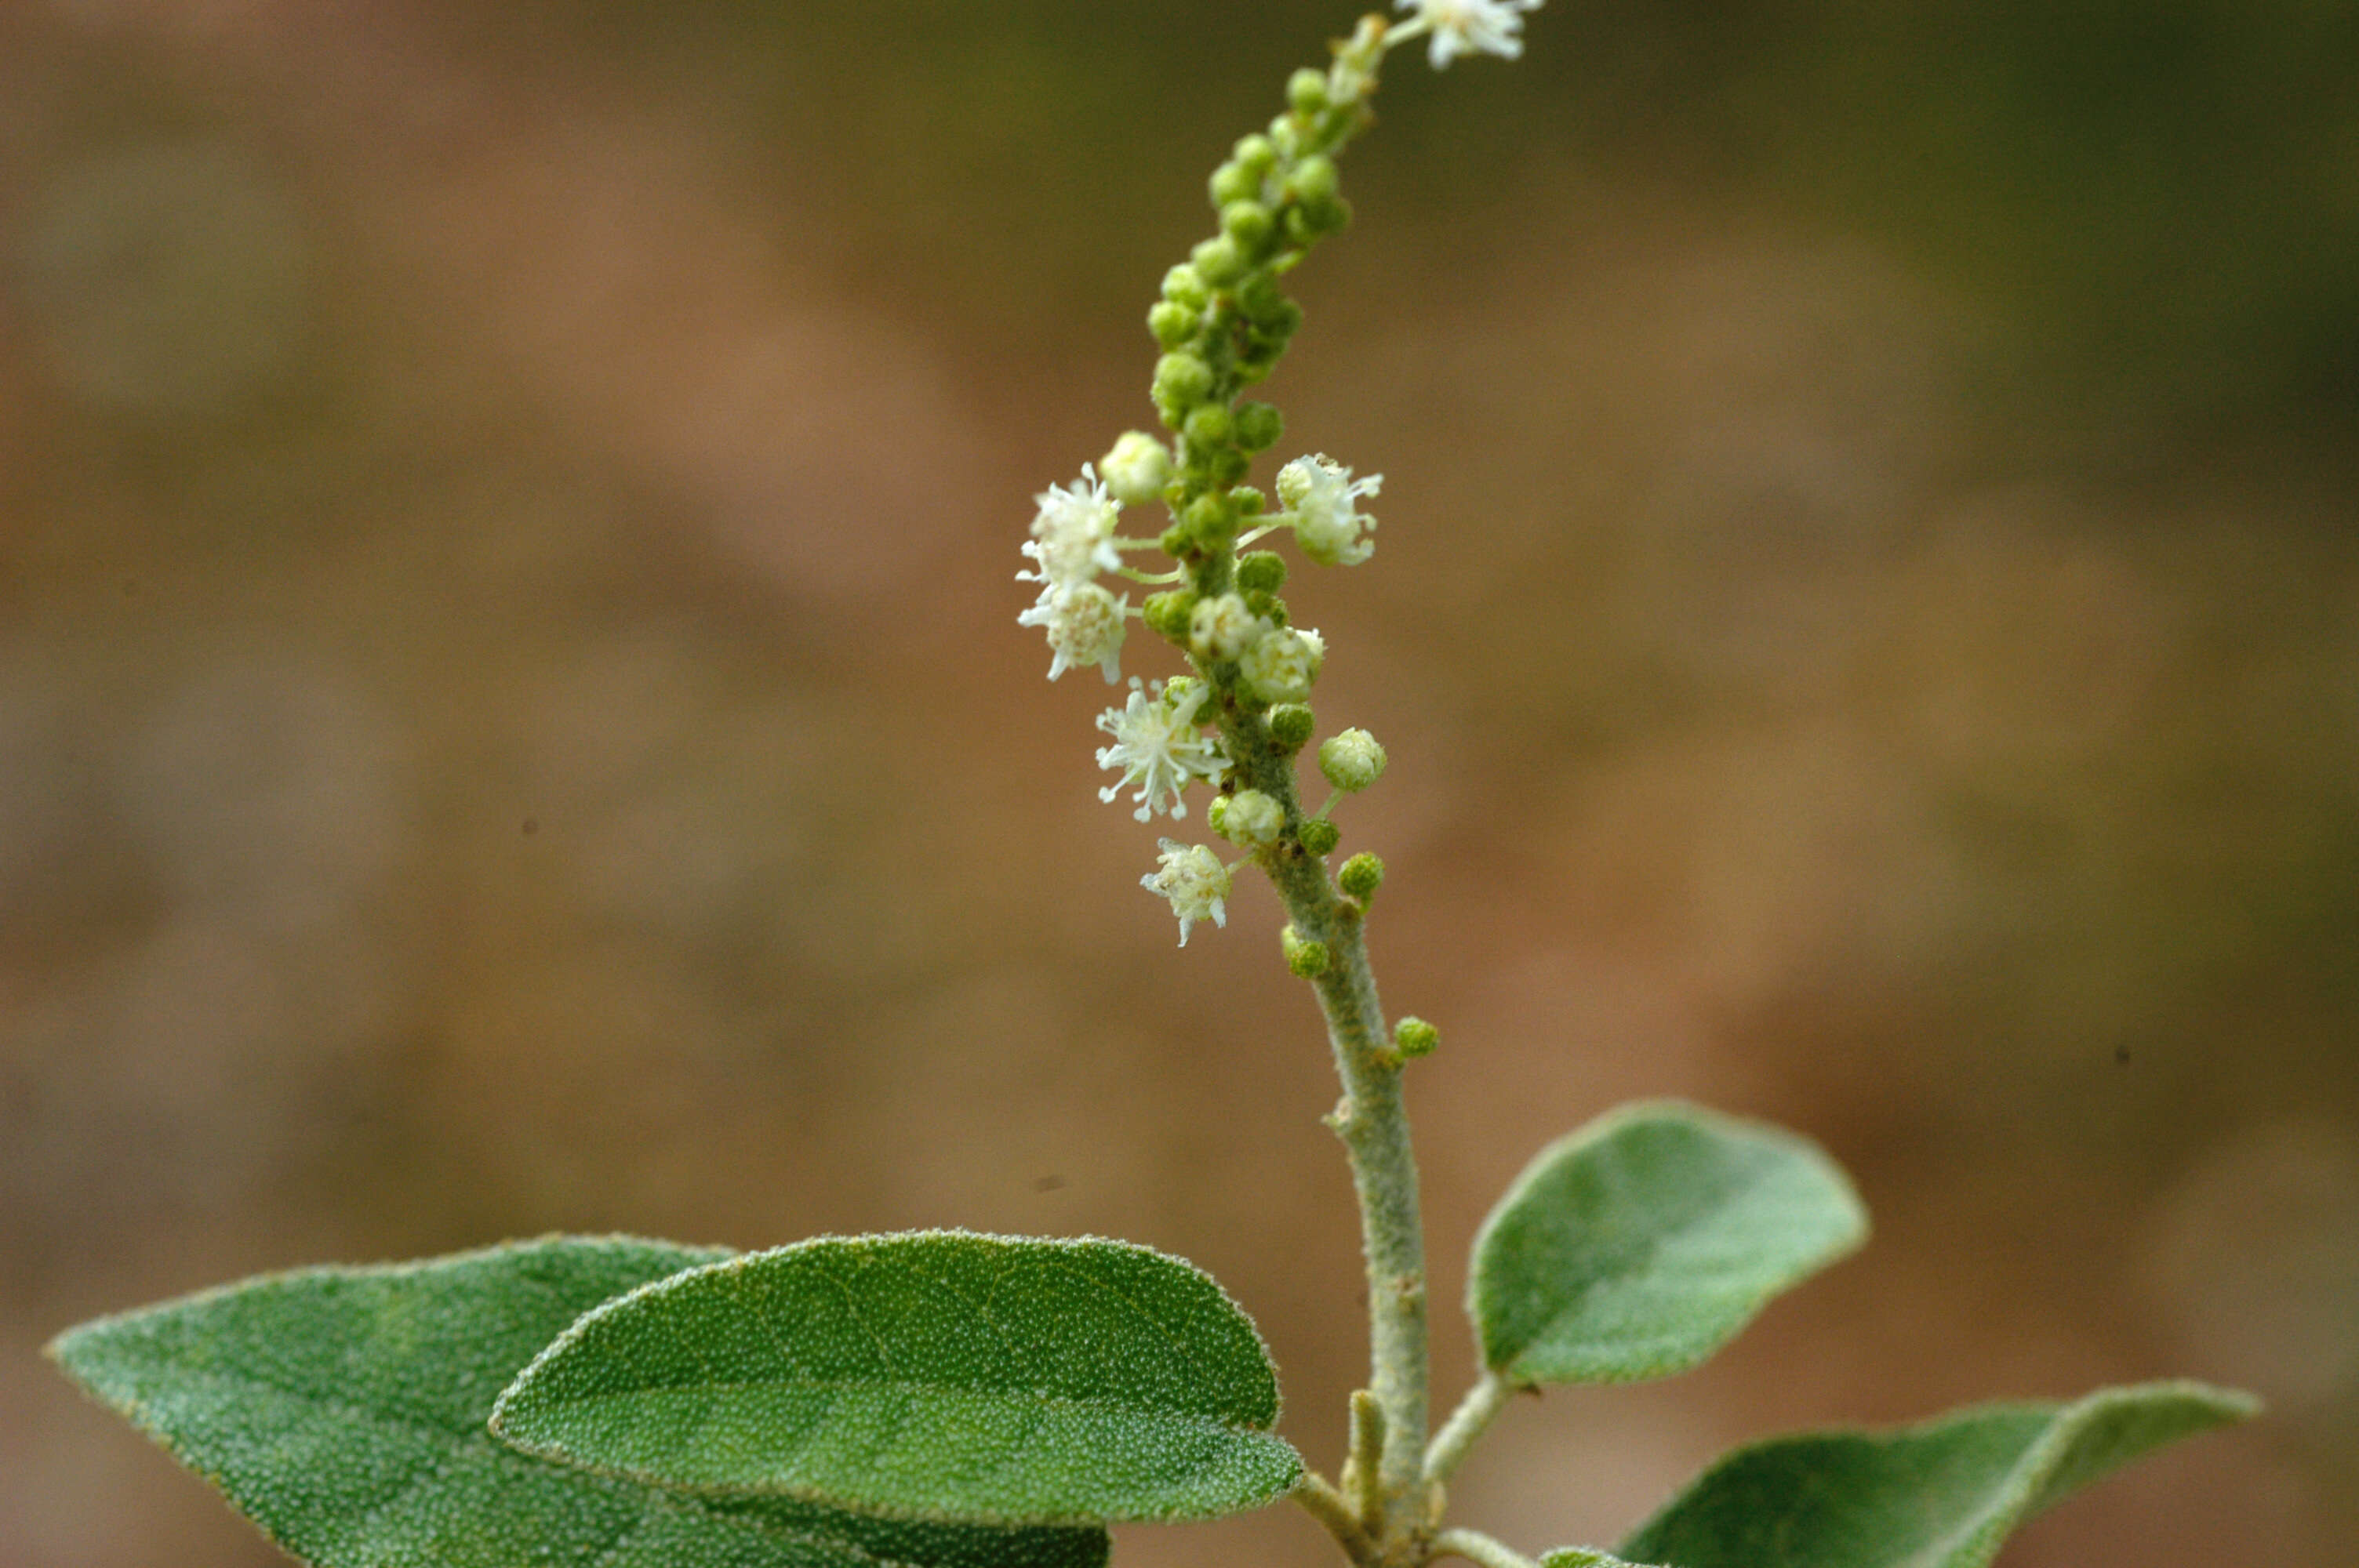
x: 346, y: 1411
x: 1640, y: 1245
x: 1942, y: 1495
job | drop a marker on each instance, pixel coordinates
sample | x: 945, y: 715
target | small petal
x: 1469, y: 27
x: 1321, y: 493
x: 1159, y: 746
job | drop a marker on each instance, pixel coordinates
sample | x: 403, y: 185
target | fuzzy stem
x: 1319, y: 1498
x: 1476, y: 1547
x: 1473, y: 1416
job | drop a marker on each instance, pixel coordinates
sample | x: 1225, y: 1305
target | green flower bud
x: 1252, y: 821
x: 1352, y: 761
x: 1256, y: 153
x: 1320, y: 836
x: 1181, y: 382
x: 1208, y: 425
x: 1212, y: 520
x: 1228, y: 464
x: 1167, y: 613
x: 1261, y: 571
x: 1361, y: 876
x: 1248, y: 225
x: 1232, y: 181
x: 1308, y: 960
x: 1313, y: 180
x: 1290, y: 724
x: 1172, y: 323
x: 1266, y: 605
x: 1184, y: 285
x: 1259, y: 425
x: 1176, y: 541
x: 1136, y: 469
x: 1414, y: 1037
x: 1249, y: 500
x: 1219, y: 261
x: 1260, y: 298
x: 1284, y: 136
x: 1307, y: 90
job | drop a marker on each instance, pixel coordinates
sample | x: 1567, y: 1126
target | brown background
x: 511, y: 718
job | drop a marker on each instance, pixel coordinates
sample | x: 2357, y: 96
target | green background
x: 511, y: 717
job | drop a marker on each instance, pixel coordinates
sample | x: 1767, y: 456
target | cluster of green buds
x: 1237, y: 722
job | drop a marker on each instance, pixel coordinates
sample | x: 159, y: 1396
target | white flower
x: 1282, y: 665
x: 1158, y: 746
x: 1223, y: 628
x: 1194, y: 879
x: 1086, y: 625
x: 1320, y: 494
x: 1467, y: 27
x: 1072, y: 537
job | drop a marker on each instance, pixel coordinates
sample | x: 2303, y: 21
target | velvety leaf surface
x: 937, y: 1375
x: 1639, y: 1245
x: 344, y: 1411
x: 1943, y: 1494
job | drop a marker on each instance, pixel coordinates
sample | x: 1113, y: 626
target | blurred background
x: 511, y: 717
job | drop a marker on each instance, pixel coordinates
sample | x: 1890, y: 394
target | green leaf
x: 1639, y: 1245
x: 1943, y: 1494
x: 1585, y: 1557
x: 344, y: 1411
x: 935, y: 1374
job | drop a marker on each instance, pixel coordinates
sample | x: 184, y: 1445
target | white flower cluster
x: 1159, y: 745
x: 1073, y: 541
x: 1320, y: 494
x: 1465, y: 26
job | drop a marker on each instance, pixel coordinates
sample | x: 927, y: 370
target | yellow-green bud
x: 1291, y: 724
x: 1352, y: 761
x: 1308, y: 960
x: 1247, y: 224
x: 1361, y: 876
x: 1261, y: 571
x: 1254, y: 152
x: 1320, y: 836
x: 1232, y: 181
x: 1252, y: 821
x: 1249, y: 500
x: 1312, y: 181
x: 1167, y: 613
x: 1218, y: 261
x: 1211, y: 521
x: 1260, y: 425
x: 1184, y: 285
x: 1181, y: 382
x: 1307, y: 90
x: 1172, y: 322
x: 1414, y: 1037
x: 1136, y: 469
x: 1208, y: 425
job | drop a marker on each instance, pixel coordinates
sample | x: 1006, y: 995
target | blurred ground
x: 511, y: 718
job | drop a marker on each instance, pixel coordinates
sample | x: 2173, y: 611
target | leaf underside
x: 1943, y: 1494
x: 1638, y: 1245
x: 344, y: 1411
x: 937, y: 1375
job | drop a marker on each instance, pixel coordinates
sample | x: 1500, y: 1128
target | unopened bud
x: 1414, y: 1037
x: 1352, y: 761
x: 1361, y: 876
x: 1308, y: 960
x: 1136, y: 469
x: 1320, y: 836
x: 1252, y: 821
